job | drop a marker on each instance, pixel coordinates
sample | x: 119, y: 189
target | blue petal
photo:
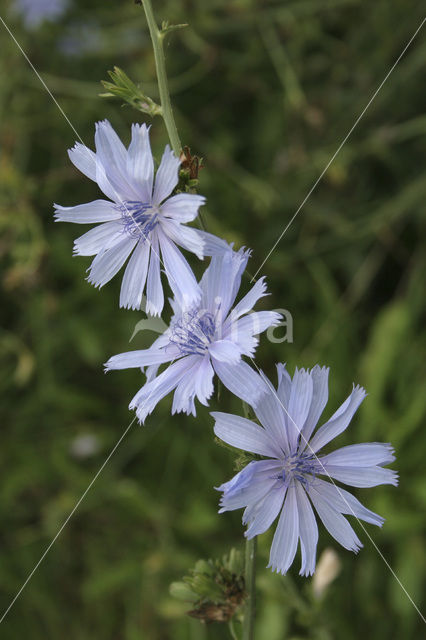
x: 154, y: 289
x: 338, y: 421
x: 249, y: 300
x: 139, y: 161
x: 109, y: 262
x: 308, y: 531
x: 362, y: 476
x: 213, y: 246
x: 198, y: 382
x: 151, y: 393
x: 362, y: 455
x: 204, y: 381
x: 140, y: 358
x: 167, y: 176
x: 284, y: 385
x: 181, y: 279
x: 267, y: 511
x: 334, y: 522
x: 98, y: 239
x: 183, y: 207
x: 112, y: 155
x: 183, y: 399
x: 84, y: 159
x: 299, y: 405
x: 270, y: 414
x: 244, y: 330
x: 257, y: 322
x: 241, y: 380
x: 344, y: 502
x: 221, y: 281
x: 105, y: 184
x: 185, y: 237
x: 319, y: 377
x: 284, y: 544
x: 244, y: 434
x: 91, y: 212
x: 225, y: 351
x: 249, y: 486
x: 134, y: 278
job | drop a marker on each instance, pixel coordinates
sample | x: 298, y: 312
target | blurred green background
x: 265, y: 91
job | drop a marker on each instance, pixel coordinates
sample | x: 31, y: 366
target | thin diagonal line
x: 267, y: 257
x: 325, y: 472
x: 169, y: 275
x: 131, y: 423
x: 339, y: 148
x: 41, y: 79
x: 67, y: 519
x: 72, y: 513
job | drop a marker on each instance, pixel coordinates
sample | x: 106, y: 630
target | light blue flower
x: 35, y: 12
x: 202, y: 340
x: 140, y: 220
x: 287, y: 482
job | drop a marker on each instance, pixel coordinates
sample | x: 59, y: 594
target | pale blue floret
x: 35, y: 12
x: 140, y: 220
x: 202, y: 340
x: 286, y: 483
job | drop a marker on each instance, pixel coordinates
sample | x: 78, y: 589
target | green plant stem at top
x: 250, y: 580
x: 157, y: 38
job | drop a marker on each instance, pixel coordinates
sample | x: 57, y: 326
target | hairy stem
x: 250, y: 578
x: 160, y: 64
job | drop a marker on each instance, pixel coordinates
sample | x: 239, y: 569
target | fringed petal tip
x: 359, y: 389
x: 140, y: 414
x: 92, y: 281
x: 189, y: 410
x: 276, y: 569
x: 393, y: 478
x: 57, y: 212
x: 276, y: 317
x: 391, y: 451
x: 76, y: 147
x: 136, y: 126
x: 133, y: 306
x: 102, y: 123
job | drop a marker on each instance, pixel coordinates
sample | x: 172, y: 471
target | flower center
x: 193, y: 332
x: 139, y: 218
x: 299, y: 466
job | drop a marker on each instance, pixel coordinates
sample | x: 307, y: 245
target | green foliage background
x: 265, y: 91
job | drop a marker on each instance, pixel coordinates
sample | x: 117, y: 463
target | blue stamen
x: 193, y: 332
x: 139, y: 218
x: 301, y: 467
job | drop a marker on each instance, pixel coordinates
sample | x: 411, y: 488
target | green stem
x: 157, y: 38
x: 250, y: 579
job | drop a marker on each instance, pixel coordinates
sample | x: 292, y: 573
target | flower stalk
x: 157, y: 38
x: 250, y: 580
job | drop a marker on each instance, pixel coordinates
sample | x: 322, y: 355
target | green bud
x: 125, y: 89
x: 182, y: 591
x: 215, y: 587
